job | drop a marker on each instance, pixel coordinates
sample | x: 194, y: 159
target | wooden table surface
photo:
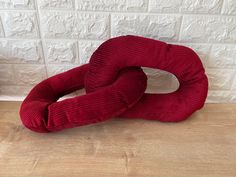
x: 203, y: 146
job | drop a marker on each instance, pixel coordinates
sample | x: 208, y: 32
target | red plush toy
x: 125, y: 51
x: 41, y: 112
x: 115, y: 86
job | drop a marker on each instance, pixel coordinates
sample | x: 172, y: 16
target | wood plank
x: 203, y: 145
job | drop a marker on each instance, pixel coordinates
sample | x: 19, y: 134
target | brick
x: 21, y: 51
x: 93, y: 26
x: 171, y: 6
x: 202, y: 6
x: 222, y: 56
x: 72, y: 25
x: 56, y: 4
x: 20, y: 24
x: 220, y: 79
x: 219, y: 96
x: 17, y: 4
x: 73, y: 29
x: 59, y: 25
x: 208, y: 29
x: 203, y: 51
x: 1, y: 29
x: 186, y: 6
x: 29, y: 74
x: 14, y: 91
x: 162, y: 27
x: 160, y: 81
x: 56, y: 69
x: 229, y: 7
x: 234, y: 85
x: 112, y: 5
x: 7, y: 74
x: 60, y: 51
x: 86, y: 49
x: 233, y: 97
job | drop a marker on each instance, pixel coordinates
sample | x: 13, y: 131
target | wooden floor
x: 202, y: 146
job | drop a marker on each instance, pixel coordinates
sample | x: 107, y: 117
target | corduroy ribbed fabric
x: 115, y: 86
x: 125, y: 51
x: 41, y: 112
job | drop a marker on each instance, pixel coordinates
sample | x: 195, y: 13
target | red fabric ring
x: 125, y: 51
x: 41, y: 112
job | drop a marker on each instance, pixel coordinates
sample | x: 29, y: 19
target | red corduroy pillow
x: 41, y: 112
x: 125, y: 51
x: 117, y: 84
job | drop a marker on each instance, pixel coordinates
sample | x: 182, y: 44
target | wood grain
x: 203, y: 145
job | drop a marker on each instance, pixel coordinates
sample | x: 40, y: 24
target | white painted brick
x: 21, y: 51
x: 1, y: 29
x: 20, y: 24
x: 162, y: 27
x: 56, y: 4
x: 71, y: 30
x: 160, y: 81
x: 29, y: 74
x: 86, y: 49
x: 203, y: 51
x: 201, y: 6
x: 208, y: 29
x: 220, y: 79
x: 112, y: 5
x: 60, y: 51
x: 172, y: 6
x: 223, y: 56
x: 6, y: 90
x: 93, y: 26
x: 186, y: 6
x: 56, y: 69
x: 73, y: 94
x: 229, y: 7
x: 59, y: 25
x: 16, y: 4
x: 72, y: 25
x: 7, y: 74
x: 234, y: 85
x: 232, y: 97
x: 218, y: 96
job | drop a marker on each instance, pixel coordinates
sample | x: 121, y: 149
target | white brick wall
x: 40, y: 38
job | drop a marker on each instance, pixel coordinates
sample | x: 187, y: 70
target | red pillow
x: 125, y: 51
x: 41, y: 112
x: 115, y: 86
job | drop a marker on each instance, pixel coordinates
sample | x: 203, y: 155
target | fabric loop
x: 115, y: 86
x: 125, y: 51
x: 41, y: 112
